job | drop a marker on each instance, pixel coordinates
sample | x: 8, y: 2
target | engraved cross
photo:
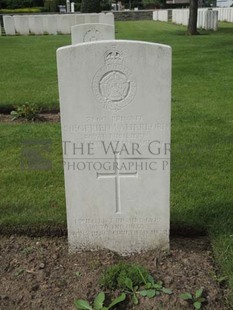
x: 117, y: 176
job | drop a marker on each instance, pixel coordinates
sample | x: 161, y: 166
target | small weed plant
x: 133, y: 281
x: 149, y: 289
x: 98, y: 303
x: 26, y: 111
x: 114, y: 277
x: 197, y: 299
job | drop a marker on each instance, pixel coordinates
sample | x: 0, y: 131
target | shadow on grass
x: 211, y: 219
x: 41, y: 230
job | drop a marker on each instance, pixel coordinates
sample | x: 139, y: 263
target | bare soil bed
x: 39, y: 273
x: 43, y: 117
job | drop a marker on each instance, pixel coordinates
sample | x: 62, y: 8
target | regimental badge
x: 114, y: 85
x: 93, y: 35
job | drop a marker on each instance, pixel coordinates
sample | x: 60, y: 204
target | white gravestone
x: 50, y: 24
x: 109, y: 19
x: 21, y: 24
x: 80, y: 19
x: 9, y: 25
x: 115, y: 115
x: 91, y: 18
x: 102, y: 18
x: 91, y: 32
x: 63, y: 24
x: 36, y: 24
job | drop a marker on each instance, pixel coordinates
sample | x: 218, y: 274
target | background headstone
x: 9, y: 25
x: 115, y: 115
x: 36, y: 24
x: 91, y: 32
x: 63, y: 24
x: 21, y: 24
x: 50, y: 24
x: 102, y: 18
x: 80, y: 19
x: 109, y: 19
x: 91, y: 18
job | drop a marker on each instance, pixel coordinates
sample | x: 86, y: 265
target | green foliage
x: 16, y: 4
x: 152, y: 4
x: 52, y: 5
x: 77, y: 7
x: 105, y: 5
x: 197, y: 299
x: 92, y: 6
x: 26, y: 111
x: 98, y: 303
x: 134, y: 280
x: 22, y: 10
x: 115, y: 276
x: 131, y: 4
x: 150, y: 288
x: 133, y: 290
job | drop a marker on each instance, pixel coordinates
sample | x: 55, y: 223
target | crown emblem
x: 114, y: 84
x: 113, y: 56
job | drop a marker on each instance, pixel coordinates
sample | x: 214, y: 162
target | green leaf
x: 135, y: 299
x: 167, y: 291
x: 143, y: 279
x: 78, y: 274
x: 201, y: 299
x: 117, y: 300
x: 151, y: 293
x: 148, y: 293
x: 186, y: 296
x: 197, y: 305
x: 199, y: 293
x: 99, y: 301
x: 143, y: 293
x: 129, y: 283
x: 158, y: 286
x: 148, y: 286
x: 151, y: 279
x: 82, y: 304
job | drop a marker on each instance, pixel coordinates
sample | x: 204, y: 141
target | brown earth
x: 44, y: 117
x: 38, y: 273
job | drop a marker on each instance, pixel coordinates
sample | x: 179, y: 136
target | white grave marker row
x: 160, y: 15
x: 207, y: 18
x: 225, y: 14
x: 51, y: 24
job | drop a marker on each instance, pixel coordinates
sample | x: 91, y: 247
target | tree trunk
x: 192, y: 25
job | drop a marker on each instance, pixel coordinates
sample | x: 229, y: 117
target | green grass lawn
x: 202, y: 131
x: 28, y: 70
